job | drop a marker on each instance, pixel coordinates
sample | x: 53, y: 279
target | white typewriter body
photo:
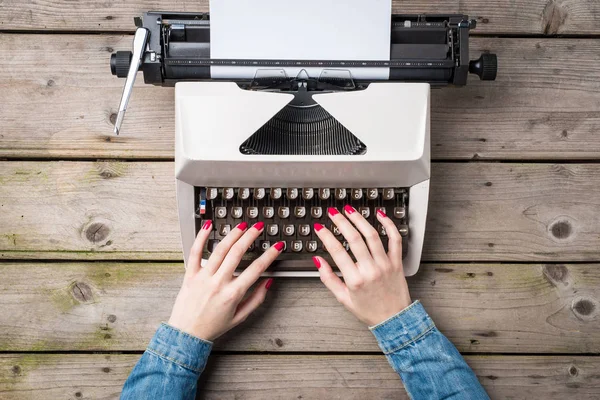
x: 391, y: 119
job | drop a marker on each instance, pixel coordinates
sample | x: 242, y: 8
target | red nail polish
x: 317, y: 262
x: 207, y: 225
x: 279, y: 246
x: 381, y: 214
x: 318, y: 227
x: 269, y: 283
x: 242, y: 226
x: 259, y: 225
x: 332, y: 211
x: 349, y: 209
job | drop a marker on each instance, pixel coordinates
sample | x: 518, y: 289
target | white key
x: 211, y: 193
x: 220, y: 212
x: 300, y: 212
x: 399, y: 212
x: 288, y: 230
x: 381, y: 230
x: 311, y: 246
x: 340, y: 194
x: 228, y: 193
x: 272, y: 229
x: 268, y: 212
x: 265, y: 245
x: 316, y: 212
x: 292, y: 193
x: 324, y: 193
x: 365, y: 211
x: 304, y: 230
x: 224, y: 229
x: 307, y: 193
x: 357, y: 194
x: 244, y: 193
x: 283, y: 212
x: 237, y: 212
x: 276, y: 193
x: 296, y: 246
x: 403, y: 229
x: 259, y: 193
x: 335, y: 230
x: 252, y: 212
x: 388, y: 194
x: 372, y: 193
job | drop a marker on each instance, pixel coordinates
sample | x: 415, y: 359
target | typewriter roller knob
x: 119, y: 63
x: 486, y: 67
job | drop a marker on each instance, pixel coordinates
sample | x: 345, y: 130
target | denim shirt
x: 429, y: 365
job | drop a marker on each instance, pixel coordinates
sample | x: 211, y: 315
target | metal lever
x: 139, y: 46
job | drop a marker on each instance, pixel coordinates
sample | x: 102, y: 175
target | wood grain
x: 97, y: 376
x: 492, y: 308
x: 503, y: 17
x: 127, y: 210
x: 543, y: 106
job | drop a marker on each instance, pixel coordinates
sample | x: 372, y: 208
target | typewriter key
x: 228, y: 193
x: 283, y: 212
x: 403, y: 229
x: 399, y: 212
x: 268, y: 212
x: 304, y: 229
x: 220, y: 212
x: 300, y: 212
x: 311, y: 246
x: 237, y: 212
x: 243, y: 193
x: 292, y: 193
x: 382, y: 209
x: 372, y: 193
x: 296, y: 246
x: 365, y: 211
x: 324, y: 193
x: 307, y: 193
x: 316, y: 212
x: 265, y: 245
x: 388, y: 194
x: 357, y: 194
x: 346, y: 245
x: 211, y: 193
x: 288, y: 230
x: 259, y: 193
x: 340, y: 194
x: 381, y: 230
x: 272, y: 229
x: 224, y: 229
x: 275, y: 193
x: 252, y: 212
x: 335, y: 230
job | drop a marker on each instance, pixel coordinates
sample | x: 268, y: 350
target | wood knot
x: 564, y: 134
x: 488, y: 184
x: 97, y: 232
x: 109, y: 49
x: 50, y: 83
x: 561, y: 229
x: 111, y: 169
x: 474, y: 342
x: 111, y: 318
x: 573, y: 371
x: 113, y: 118
x: 279, y: 342
x: 470, y: 275
x: 106, y: 370
x: 583, y: 307
x: 108, y: 18
x: 485, y: 20
x: 107, y: 336
x: 77, y: 394
x: 553, y: 18
x: 555, y: 273
x: 492, y: 377
x: 487, y: 334
x: 82, y: 292
x: 16, y: 369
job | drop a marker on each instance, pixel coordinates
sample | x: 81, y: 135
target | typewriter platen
x: 282, y: 150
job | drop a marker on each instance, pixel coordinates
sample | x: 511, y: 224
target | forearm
x: 169, y: 368
x: 429, y: 365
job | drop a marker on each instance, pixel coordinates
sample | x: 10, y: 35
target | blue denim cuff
x: 403, y: 328
x: 180, y: 348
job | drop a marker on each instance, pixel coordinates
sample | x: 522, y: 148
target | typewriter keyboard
x: 289, y: 215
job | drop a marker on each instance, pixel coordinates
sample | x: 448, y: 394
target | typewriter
x: 282, y: 149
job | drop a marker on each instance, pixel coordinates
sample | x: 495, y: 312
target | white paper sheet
x: 307, y: 30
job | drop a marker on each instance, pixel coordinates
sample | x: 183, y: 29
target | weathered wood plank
x: 521, y: 17
x: 66, y: 376
x: 544, y: 104
x: 127, y: 210
x: 501, y: 308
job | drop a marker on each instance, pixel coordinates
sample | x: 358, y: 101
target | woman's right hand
x: 374, y: 287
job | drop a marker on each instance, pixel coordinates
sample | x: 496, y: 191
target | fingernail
x: 317, y: 262
x: 318, y: 227
x: 259, y: 226
x: 242, y: 226
x: 207, y: 225
x: 279, y: 246
x: 381, y: 214
x: 349, y: 209
x: 332, y: 211
x: 269, y: 283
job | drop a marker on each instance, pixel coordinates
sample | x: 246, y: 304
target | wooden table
x: 90, y: 259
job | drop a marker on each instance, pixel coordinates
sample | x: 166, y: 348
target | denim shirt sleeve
x: 428, y: 364
x: 169, y: 368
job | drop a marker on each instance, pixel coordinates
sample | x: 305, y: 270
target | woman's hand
x: 374, y: 288
x: 211, y: 300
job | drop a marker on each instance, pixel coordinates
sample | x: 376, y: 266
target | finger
x: 252, y: 302
x: 369, y: 232
x: 220, y: 252
x: 353, y: 237
x: 195, y: 258
x: 337, y: 251
x: 331, y: 280
x: 394, y: 239
x: 251, y: 274
x: 237, y: 251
